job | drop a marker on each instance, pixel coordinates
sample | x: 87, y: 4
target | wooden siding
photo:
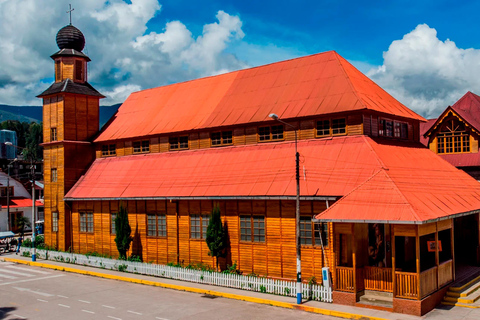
x: 275, y: 257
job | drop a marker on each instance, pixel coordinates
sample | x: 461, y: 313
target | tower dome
x: 70, y: 37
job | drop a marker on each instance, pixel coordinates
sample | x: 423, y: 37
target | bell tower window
x: 78, y: 70
x: 58, y: 71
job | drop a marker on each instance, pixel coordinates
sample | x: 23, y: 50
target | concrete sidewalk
x: 330, y: 309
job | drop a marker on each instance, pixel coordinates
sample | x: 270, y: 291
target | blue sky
x: 423, y: 53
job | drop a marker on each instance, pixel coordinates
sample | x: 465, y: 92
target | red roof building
x: 170, y: 154
x: 454, y: 134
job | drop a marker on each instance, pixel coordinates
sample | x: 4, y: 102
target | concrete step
x: 469, y: 299
x: 468, y: 290
x: 376, y: 300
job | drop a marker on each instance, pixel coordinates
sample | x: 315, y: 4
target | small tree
x: 123, y: 237
x: 216, y: 235
x: 21, y: 222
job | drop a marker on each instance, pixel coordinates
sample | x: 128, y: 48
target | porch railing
x: 428, y: 281
x: 379, y: 279
x: 345, y: 279
x: 445, y: 272
x: 406, y: 285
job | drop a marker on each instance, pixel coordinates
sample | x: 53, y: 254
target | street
x: 28, y: 292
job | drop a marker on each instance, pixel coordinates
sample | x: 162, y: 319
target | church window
x: 178, y: 143
x: 78, y: 70
x: 53, y: 134
x: 339, y: 126
x: 270, y: 133
x: 453, y: 137
x: 141, y: 146
x: 156, y: 225
x: 252, y: 228
x: 86, y: 221
x: 55, y: 221
x: 54, y: 176
x: 109, y: 150
x: 198, y: 226
x: 222, y: 138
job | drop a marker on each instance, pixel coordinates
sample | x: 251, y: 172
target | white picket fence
x: 258, y: 284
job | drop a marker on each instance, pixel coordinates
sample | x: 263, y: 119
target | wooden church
x: 376, y: 206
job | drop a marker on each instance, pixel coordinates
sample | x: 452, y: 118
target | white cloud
x: 126, y: 56
x: 427, y: 74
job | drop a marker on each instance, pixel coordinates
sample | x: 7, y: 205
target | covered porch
x: 407, y: 260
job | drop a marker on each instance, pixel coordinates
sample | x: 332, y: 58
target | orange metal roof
x: 378, y: 179
x: 20, y: 203
x: 318, y: 84
x: 414, y: 185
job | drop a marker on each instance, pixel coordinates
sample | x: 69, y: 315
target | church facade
x: 369, y: 199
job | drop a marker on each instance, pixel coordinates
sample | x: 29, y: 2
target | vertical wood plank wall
x: 275, y: 257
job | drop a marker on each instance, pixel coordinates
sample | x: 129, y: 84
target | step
x: 468, y: 290
x: 469, y: 299
x: 466, y: 282
x: 377, y: 300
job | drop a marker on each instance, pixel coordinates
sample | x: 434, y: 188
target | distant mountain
x: 34, y: 113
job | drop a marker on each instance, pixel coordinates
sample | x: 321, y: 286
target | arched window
x: 453, y: 137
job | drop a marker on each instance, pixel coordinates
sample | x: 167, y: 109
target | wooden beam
x: 394, y: 281
x: 417, y: 249
x: 452, y: 243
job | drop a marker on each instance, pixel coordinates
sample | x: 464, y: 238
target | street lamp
x: 32, y: 167
x: 297, y: 211
x: 8, y: 192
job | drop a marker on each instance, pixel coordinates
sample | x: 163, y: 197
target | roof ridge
x: 380, y: 162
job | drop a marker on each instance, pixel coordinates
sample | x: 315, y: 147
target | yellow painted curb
x: 287, y: 305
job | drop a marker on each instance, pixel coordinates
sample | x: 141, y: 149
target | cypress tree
x: 216, y: 235
x: 123, y: 232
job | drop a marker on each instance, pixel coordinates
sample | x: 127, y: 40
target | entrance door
x: 466, y: 240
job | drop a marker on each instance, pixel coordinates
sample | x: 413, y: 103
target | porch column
x: 417, y: 249
x: 394, y: 278
x: 354, y: 261
x: 452, y: 243
x: 437, y: 258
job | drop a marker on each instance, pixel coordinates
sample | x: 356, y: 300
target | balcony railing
x: 345, y: 280
x: 378, y: 279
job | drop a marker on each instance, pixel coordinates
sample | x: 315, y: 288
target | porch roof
x: 413, y: 186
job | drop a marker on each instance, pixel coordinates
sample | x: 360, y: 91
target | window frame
x: 316, y: 231
x: 176, y: 143
x: 113, y: 216
x: 160, y: 225
x: 223, y: 141
x: 248, y: 227
x: 53, y: 175
x: 342, y: 130
x: 86, y: 222
x: 329, y: 129
x: 109, y: 150
x: 449, y: 141
x: 53, y: 134
x: 54, y: 221
x: 141, y: 146
x: 203, y: 221
x: 78, y: 69
x: 270, y: 134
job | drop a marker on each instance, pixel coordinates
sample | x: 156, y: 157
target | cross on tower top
x: 70, y: 12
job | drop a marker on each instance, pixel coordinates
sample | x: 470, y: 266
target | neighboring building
x: 454, y: 134
x: 171, y: 153
x: 6, y: 151
x: 20, y: 203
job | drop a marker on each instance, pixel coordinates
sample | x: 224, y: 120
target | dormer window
x: 453, y: 137
x: 178, y: 143
x: 141, y: 146
x: 271, y: 133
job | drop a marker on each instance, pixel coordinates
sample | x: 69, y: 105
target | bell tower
x: 70, y: 121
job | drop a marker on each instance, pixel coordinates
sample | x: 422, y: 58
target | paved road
x: 34, y: 293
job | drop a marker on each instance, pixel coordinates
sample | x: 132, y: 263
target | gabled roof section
x: 467, y: 108
x: 68, y: 86
x: 319, y: 84
x: 415, y: 186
